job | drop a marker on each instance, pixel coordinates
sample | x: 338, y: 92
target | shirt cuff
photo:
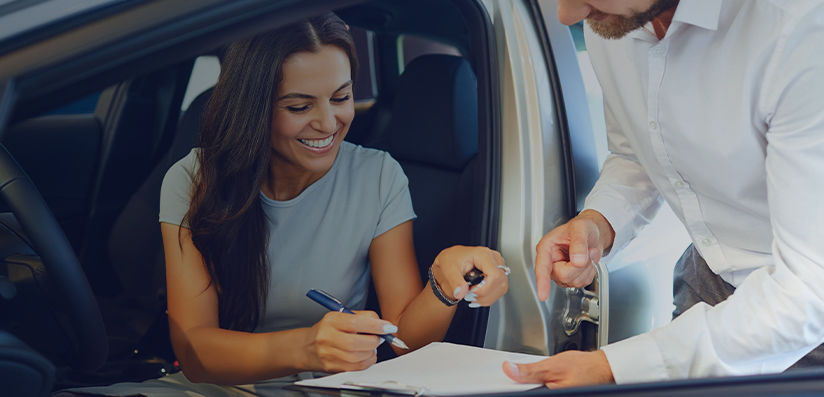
x: 623, y: 358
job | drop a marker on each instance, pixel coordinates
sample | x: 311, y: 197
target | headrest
x: 435, y: 112
x: 188, y: 129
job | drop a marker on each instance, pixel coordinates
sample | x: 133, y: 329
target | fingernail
x: 513, y: 368
x: 481, y: 284
x: 381, y: 342
x: 579, y: 258
x: 471, y: 297
x: 389, y: 329
x: 376, y: 351
x: 456, y: 291
x: 474, y: 305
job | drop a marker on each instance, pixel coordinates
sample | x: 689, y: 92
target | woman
x: 274, y: 203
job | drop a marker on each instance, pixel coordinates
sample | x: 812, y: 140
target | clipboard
x: 429, y: 371
x: 363, y: 390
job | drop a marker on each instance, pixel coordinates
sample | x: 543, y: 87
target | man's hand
x: 566, y: 369
x: 567, y: 254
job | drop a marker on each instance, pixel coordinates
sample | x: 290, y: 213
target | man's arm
x: 622, y: 201
x: 776, y: 315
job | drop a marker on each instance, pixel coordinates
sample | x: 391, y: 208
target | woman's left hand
x: 453, y: 263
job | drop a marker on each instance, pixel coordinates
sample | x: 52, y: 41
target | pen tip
x: 399, y: 343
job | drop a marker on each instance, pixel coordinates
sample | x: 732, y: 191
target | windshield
x: 20, y: 16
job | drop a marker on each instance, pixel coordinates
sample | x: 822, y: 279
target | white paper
x: 438, y: 369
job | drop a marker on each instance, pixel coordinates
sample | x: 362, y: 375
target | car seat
x: 433, y: 133
x: 135, y: 248
x: 137, y: 127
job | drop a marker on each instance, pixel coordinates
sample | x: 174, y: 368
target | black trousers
x: 694, y: 282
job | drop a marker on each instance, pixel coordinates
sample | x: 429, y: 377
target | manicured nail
x: 471, y: 297
x: 593, y: 255
x: 514, y: 369
x: 474, y: 305
x: 376, y: 351
x: 456, y: 291
x: 381, y: 342
x: 389, y: 329
x: 579, y: 258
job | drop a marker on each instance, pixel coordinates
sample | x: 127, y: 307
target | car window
x: 365, y: 82
x: 204, y: 76
x: 412, y: 46
x: 85, y: 105
x: 595, y: 98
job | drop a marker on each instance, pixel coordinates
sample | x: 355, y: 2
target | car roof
x: 21, y: 17
x: 124, y: 37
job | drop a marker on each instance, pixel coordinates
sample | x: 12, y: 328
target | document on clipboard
x: 438, y: 369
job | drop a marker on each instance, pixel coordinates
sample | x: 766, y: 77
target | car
x: 98, y: 98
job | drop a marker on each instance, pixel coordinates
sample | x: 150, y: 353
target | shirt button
x: 706, y: 241
x: 653, y: 125
x: 679, y: 184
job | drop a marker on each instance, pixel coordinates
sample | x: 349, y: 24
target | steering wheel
x: 74, y: 295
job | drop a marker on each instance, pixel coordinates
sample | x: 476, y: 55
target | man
x: 716, y: 107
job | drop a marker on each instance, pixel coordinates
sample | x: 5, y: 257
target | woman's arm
x: 210, y: 354
x: 421, y: 317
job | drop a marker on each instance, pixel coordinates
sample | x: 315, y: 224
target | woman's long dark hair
x: 225, y: 216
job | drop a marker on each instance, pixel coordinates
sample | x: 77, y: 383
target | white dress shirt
x: 724, y: 119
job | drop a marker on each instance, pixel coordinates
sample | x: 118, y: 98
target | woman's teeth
x: 318, y: 143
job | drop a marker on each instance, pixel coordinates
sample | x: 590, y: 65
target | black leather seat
x: 135, y: 240
x: 433, y: 133
x: 135, y: 250
x: 136, y: 128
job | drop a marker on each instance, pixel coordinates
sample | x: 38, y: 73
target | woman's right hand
x: 342, y: 341
x: 453, y: 263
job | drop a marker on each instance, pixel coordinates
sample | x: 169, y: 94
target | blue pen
x: 334, y: 304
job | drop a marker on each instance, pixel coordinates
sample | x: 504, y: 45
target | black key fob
x: 474, y: 276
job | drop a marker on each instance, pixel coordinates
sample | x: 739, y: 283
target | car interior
x: 98, y: 158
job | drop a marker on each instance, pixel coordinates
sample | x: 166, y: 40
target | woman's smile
x: 318, y: 145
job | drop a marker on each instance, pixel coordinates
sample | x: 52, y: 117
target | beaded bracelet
x: 437, y: 291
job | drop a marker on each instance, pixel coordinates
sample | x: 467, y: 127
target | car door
x: 553, y: 146
x: 541, y: 108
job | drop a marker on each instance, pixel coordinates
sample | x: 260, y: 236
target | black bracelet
x: 437, y: 291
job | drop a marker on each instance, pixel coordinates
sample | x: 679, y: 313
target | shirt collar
x: 704, y: 14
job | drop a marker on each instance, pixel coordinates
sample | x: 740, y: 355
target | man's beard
x: 617, y: 26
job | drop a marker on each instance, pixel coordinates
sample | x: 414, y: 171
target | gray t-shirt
x: 319, y: 239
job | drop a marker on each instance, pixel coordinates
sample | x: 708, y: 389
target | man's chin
x: 617, y: 26
x: 612, y: 27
